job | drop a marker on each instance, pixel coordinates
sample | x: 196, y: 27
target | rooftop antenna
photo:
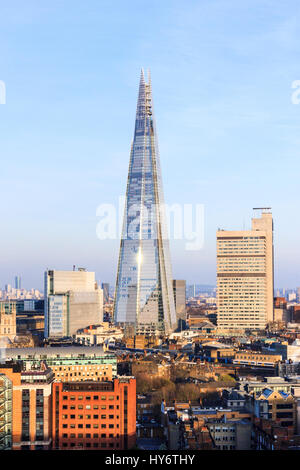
x: 263, y: 209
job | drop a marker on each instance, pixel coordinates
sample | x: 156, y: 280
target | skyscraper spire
x: 144, y: 293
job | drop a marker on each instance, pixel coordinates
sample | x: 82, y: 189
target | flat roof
x: 62, y: 351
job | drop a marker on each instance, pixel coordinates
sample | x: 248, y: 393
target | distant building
x: 278, y: 406
x: 251, y: 358
x: 18, y: 282
x: 105, y: 288
x: 290, y: 352
x: 245, y: 276
x: 295, y: 311
x: 179, y: 289
x: 292, y: 296
x: 8, y: 322
x: 30, y: 305
x: 191, y: 291
x: 105, y: 333
x: 72, y: 301
x: 277, y: 384
x: 231, y: 434
x: 70, y: 364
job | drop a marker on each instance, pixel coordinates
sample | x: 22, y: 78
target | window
x: 285, y: 406
x: 284, y: 414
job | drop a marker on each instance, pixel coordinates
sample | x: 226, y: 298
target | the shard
x: 144, y: 294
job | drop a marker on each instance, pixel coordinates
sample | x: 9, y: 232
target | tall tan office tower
x: 245, y: 275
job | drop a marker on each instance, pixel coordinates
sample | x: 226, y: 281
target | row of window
x: 88, y: 444
x: 89, y: 436
x: 95, y: 426
x: 89, y: 407
x: 88, y: 397
x: 90, y: 417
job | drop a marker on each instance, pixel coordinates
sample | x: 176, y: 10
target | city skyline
x: 230, y: 143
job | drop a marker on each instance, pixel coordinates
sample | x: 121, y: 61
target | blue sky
x: 222, y: 73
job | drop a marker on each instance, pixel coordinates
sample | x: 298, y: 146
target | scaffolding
x: 5, y: 412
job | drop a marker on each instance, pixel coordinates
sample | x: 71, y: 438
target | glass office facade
x: 144, y: 295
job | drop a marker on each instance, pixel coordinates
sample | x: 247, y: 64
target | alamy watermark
x: 173, y: 222
x: 295, y: 98
x: 2, y: 92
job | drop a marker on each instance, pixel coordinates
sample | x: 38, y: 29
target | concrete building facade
x: 245, y: 276
x: 71, y: 364
x: 72, y: 301
x: 29, y: 419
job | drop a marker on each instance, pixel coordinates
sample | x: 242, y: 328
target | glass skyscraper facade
x: 144, y: 294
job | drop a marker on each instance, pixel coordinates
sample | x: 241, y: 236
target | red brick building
x: 94, y: 415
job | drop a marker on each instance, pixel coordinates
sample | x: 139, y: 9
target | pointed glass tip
x: 142, y: 75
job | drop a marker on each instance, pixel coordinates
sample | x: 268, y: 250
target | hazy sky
x: 229, y: 135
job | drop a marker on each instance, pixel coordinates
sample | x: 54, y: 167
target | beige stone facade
x: 7, y: 320
x: 72, y: 301
x: 245, y: 276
